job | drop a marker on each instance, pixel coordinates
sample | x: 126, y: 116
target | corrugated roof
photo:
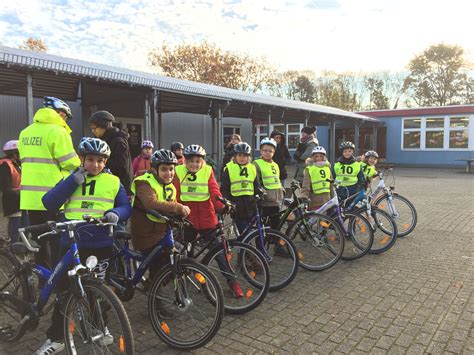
x: 45, y: 61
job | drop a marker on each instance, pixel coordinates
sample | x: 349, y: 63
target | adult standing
x: 229, y: 148
x: 304, y: 150
x: 120, y: 161
x: 282, y: 155
x: 47, y: 156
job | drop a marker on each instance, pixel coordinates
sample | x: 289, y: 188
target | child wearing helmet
x: 91, y: 189
x: 141, y: 164
x: 239, y: 184
x: 10, y: 177
x: 368, y: 164
x: 348, y: 171
x: 154, y: 191
x: 177, y: 148
x: 315, y: 186
x: 268, y: 173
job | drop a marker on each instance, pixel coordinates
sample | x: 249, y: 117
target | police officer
x: 47, y: 155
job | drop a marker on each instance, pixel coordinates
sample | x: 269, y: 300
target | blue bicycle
x: 95, y: 320
x: 185, y: 300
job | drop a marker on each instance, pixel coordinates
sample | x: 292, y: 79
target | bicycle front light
x: 91, y: 262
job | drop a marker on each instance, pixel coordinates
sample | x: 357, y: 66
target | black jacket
x: 282, y: 157
x: 120, y: 161
x: 10, y: 198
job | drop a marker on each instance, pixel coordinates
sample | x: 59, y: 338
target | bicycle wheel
x: 245, y: 277
x: 12, y: 285
x: 359, y: 237
x: 318, y: 239
x: 186, y: 305
x: 401, y: 210
x: 384, y: 229
x: 96, y: 323
x: 280, y: 253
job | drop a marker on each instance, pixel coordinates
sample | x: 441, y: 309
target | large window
x: 438, y: 133
x: 292, y: 137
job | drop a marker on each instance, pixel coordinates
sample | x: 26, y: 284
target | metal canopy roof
x: 176, y: 95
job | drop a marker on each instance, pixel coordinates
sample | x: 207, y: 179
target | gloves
x: 79, y: 175
x: 110, y: 217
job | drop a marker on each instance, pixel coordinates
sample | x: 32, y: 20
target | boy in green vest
x: 315, y: 186
x: 268, y: 173
x: 368, y: 164
x: 348, y: 171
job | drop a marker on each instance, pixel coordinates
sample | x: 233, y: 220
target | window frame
x: 259, y: 136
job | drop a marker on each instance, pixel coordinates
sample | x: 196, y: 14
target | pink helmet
x: 10, y: 145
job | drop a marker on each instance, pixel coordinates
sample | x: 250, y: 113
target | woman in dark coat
x: 282, y: 155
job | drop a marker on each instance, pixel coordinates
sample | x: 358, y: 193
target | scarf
x: 307, y: 139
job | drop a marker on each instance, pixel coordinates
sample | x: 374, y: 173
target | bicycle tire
x: 386, y: 238
x: 206, y: 288
x: 254, y: 271
x: 102, y: 302
x: 281, y: 273
x: 360, y: 236
x: 309, y: 246
x: 404, y: 227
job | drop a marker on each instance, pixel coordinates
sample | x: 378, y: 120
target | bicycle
x: 402, y: 211
x: 185, y: 300
x: 89, y: 304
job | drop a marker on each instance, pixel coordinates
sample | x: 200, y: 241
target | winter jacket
x: 282, y: 155
x: 90, y: 236
x: 302, y: 156
x: 145, y: 233
x: 228, y: 154
x: 120, y: 161
x: 141, y: 165
x: 10, y: 193
x: 203, y: 213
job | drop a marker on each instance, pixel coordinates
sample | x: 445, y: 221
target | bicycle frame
x: 387, y: 191
x: 256, y: 221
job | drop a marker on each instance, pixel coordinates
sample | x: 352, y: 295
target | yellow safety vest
x: 318, y: 176
x: 163, y: 192
x: 369, y: 170
x: 270, y: 174
x: 47, y: 156
x: 347, y: 173
x: 241, y: 178
x: 94, y: 197
x: 194, y: 186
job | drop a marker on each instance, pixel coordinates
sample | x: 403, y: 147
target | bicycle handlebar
x: 170, y: 220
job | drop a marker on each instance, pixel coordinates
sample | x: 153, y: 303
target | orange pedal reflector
x: 382, y: 206
x: 200, y: 278
x: 405, y: 225
x: 281, y: 242
x: 229, y: 257
x: 332, y: 238
x: 72, y: 327
x: 363, y: 229
x: 385, y: 240
x: 165, y: 327
x: 252, y: 274
x: 248, y: 294
x: 324, y: 224
x: 121, y: 344
x: 300, y: 255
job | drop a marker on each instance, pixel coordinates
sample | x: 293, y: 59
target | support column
x: 147, y: 133
x: 29, y: 98
x: 214, y: 136
x: 269, y: 123
x: 332, y: 141
x: 374, y: 137
x: 220, y: 139
x: 306, y: 120
x: 356, y: 138
x: 157, y: 128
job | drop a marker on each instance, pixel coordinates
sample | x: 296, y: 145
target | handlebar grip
x: 40, y: 228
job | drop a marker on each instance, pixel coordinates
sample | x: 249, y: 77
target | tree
x: 377, y: 98
x: 438, y: 76
x: 338, y: 90
x: 34, y: 44
x: 209, y: 64
x: 294, y: 85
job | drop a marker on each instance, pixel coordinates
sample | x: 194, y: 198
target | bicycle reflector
x: 200, y: 278
x: 91, y: 262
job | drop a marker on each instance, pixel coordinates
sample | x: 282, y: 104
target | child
x: 239, y: 184
x: 348, y: 171
x: 197, y: 188
x: 268, y: 173
x: 92, y: 190
x: 315, y: 188
x: 10, y: 176
x: 368, y: 164
x: 177, y: 148
x: 141, y: 164
x: 154, y: 191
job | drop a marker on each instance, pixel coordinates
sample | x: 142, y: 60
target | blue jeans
x: 14, y: 223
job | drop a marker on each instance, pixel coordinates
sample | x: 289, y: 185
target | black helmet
x: 93, y: 146
x: 194, y: 149
x: 102, y: 118
x: 242, y: 148
x: 176, y: 145
x: 371, y: 153
x: 163, y: 156
x: 347, y: 144
x: 57, y: 104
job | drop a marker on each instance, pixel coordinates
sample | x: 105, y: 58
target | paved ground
x: 416, y: 298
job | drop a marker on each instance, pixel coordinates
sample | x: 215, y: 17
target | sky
x: 338, y: 35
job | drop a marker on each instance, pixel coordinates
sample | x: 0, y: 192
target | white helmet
x: 269, y: 141
x: 10, y: 145
x: 318, y: 149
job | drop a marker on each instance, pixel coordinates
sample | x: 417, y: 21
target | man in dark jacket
x: 120, y: 161
x: 282, y: 155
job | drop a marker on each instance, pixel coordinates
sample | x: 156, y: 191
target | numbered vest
x: 318, y: 176
x: 94, y: 197
x: 347, y: 173
x: 163, y: 192
x: 194, y: 186
x: 270, y: 174
x: 369, y: 170
x: 241, y: 178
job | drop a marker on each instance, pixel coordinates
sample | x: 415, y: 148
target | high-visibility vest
x: 318, y: 176
x: 241, y: 178
x: 94, y: 197
x: 47, y: 156
x: 163, y: 192
x: 194, y: 186
x: 369, y: 170
x: 270, y: 174
x: 14, y: 173
x: 347, y: 173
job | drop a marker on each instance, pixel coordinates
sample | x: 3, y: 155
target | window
x: 434, y: 132
x: 228, y: 132
x: 458, y: 132
x: 292, y: 136
x: 411, y: 133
